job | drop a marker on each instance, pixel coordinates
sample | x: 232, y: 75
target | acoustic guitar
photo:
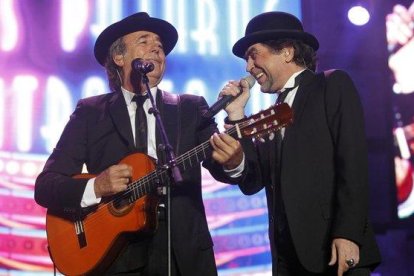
x: 89, y: 241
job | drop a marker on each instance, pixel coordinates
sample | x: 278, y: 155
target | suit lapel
x: 119, y: 114
x: 302, y: 94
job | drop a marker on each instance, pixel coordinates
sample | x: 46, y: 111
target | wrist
x: 236, y: 115
x: 229, y: 121
x: 96, y: 189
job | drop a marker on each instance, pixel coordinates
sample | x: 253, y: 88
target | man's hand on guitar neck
x: 113, y: 180
x: 227, y: 150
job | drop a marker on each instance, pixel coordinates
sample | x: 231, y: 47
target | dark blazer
x: 324, y: 172
x: 99, y: 135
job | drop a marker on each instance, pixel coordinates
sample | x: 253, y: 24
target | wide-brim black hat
x: 137, y: 22
x: 273, y: 26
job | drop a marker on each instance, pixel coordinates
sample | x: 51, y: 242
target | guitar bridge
x: 80, y: 233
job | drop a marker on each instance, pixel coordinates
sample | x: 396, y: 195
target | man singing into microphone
x: 314, y: 171
x: 106, y: 128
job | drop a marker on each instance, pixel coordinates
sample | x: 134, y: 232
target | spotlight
x: 358, y: 15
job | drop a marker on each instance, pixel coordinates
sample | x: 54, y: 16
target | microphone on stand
x: 226, y: 99
x: 142, y: 66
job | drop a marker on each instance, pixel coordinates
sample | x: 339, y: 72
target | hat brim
x: 241, y: 46
x: 167, y: 33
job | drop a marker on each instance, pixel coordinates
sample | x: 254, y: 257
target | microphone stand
x: 171, y: 165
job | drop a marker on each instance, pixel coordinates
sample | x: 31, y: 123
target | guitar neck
x: 189, y: 159
x: 257, y: 125
x: 198, y: 154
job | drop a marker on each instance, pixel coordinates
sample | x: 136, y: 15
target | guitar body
x: 90, y: 244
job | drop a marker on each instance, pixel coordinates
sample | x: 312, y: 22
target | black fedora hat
x: 140, y: 21
x: 273, y: 26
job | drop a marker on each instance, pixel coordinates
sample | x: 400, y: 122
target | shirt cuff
x: 237, y: 171
x: 89, y: 198
x: 230, y: 122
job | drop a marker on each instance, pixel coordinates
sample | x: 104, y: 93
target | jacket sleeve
x: 346, y: 122
x: 54, y: 187
x: 255, y: 167
x: 256, y: 174
x: 206, y: 128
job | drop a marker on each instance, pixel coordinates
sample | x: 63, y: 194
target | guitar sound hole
x: 121, y: 203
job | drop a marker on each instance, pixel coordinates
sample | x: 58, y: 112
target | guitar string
x: 187, y: 155
x: 140, y: 184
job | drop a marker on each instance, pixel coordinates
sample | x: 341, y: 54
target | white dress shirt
x: 89, y: 198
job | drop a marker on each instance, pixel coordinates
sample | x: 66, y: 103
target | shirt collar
x: 128, y: 95
x: 291, y: 81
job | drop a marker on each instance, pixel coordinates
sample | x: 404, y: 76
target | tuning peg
x: 259, y: 137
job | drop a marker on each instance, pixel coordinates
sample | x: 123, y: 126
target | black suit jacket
x: 324, y: 172
x: 99, y: 135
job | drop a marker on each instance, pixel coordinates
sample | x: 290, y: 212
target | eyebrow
x: 248, y: 52
x: 147, y: 35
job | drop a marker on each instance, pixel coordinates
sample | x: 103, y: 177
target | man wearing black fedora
x: 315, y: 170
x: 101, y: 132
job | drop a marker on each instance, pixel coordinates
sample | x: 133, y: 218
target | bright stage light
x: 358, y: 15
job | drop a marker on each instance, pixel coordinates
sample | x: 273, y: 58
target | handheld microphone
x: 142, y: 66
x: 226, y: 99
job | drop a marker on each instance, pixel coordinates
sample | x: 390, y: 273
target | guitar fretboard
x: 264, y: 122
x: 189, y: 159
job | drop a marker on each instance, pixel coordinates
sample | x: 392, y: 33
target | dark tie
x: 280, y: 214
x: 280, y: 99
x: 278, y: 137
x: 282, y: 95
x: 140, y: 124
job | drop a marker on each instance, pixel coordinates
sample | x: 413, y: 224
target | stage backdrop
x: 47, y: 65
x: 401, y: 61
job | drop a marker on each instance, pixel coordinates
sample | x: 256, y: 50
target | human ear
x: 118, y: 59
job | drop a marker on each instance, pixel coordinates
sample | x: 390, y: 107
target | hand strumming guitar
x: 113, y: 180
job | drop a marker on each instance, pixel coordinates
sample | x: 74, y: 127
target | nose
x: 249, y: 65
x: 155, y: 47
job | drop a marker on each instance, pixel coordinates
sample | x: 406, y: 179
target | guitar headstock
x: 266, y: 121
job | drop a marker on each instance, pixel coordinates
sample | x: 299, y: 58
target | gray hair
x: 113, y: 73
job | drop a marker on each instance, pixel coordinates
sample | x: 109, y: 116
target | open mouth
x: 259, y: 76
